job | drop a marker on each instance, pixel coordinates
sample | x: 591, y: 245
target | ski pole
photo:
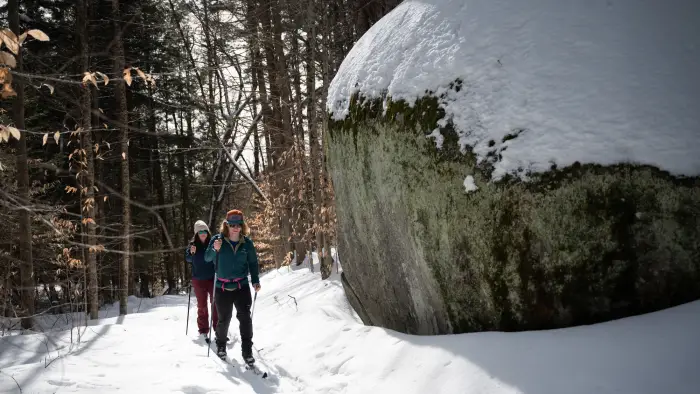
x: 213, y: 301
x: 189, y: 298
x: 213, y: 305
x: 253, y: 310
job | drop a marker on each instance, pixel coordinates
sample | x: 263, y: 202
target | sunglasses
x: 201, y: 232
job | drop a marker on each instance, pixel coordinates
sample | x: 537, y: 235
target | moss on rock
x: 575, y: 245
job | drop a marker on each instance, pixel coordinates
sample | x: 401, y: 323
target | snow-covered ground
x: 598, y: 81
x: 311, y: 341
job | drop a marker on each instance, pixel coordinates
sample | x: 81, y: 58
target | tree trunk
x: 104, y: 283
x: 258, y: 76
x: 184, y: 195
x: 209, y: 42
x: 254, y: 103
x: 88, y: 191
x: 25, y: 219
x: 179, y: 275
x: 123, y: 122
x: 266, y: 109
x: 316, y: 161
x: 159, y: 189
x: 287, y: 136
x: 282, y: 141
x: 327, y: 62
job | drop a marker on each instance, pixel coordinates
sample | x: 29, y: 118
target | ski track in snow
x: 600, y: 81
x: 320, y: 346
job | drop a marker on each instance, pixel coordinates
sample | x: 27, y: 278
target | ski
x: 249, y: 367
x: 254, y: 368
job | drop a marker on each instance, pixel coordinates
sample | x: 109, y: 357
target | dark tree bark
x: 122, y: 124
x: 25, y: 215
x: 88, y: 206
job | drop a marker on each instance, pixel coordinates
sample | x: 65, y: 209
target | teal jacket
x: 236, y: 261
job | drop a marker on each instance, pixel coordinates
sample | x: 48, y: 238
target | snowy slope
x: 598, y: 81
x: 319, y: 346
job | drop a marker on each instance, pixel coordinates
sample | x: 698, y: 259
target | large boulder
x: 514, y: 165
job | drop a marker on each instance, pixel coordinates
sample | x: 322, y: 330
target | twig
x: 46, y: 365
x: 240, y: 170
x: 13, y: 378
x: 295, y: 301
x: 48, y: 351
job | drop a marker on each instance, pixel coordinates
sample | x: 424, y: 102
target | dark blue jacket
x: 201, y: 269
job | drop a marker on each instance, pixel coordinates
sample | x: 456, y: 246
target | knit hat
x: 199, y: 225
x: 234, y: 216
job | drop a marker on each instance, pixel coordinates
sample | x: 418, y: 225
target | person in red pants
x: 202, y: 277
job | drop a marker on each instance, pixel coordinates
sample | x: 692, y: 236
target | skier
x: 235, y: 257
x: 202, y: 277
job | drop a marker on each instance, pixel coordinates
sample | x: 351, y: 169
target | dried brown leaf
x: 48, y: 86
x: 38, y: 35
x: 5, y: 74
x: 7, y: 58
x: 89, y: 77
x: 105, y: 78
x: 7, y: 91
x: 46, y: 138
x: 141, y: 74
x: 10, y: 39
x: 14, y: 131
x: 127, y: 75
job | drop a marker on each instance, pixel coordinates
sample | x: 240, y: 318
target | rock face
x: 440, y: 233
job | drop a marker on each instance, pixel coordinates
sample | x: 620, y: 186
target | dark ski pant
x: 203, y: 290
x: 225, y: 301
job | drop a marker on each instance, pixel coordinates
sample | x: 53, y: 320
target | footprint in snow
x: 61, y: 383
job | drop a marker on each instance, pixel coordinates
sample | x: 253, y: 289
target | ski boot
x: 250, y: 365
x: 221, y: 351
x: 249, y: 360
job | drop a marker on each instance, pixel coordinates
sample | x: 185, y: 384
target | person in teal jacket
x: 234, y: 255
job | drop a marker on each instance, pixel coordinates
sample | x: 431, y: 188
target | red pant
x: 202, y: 288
